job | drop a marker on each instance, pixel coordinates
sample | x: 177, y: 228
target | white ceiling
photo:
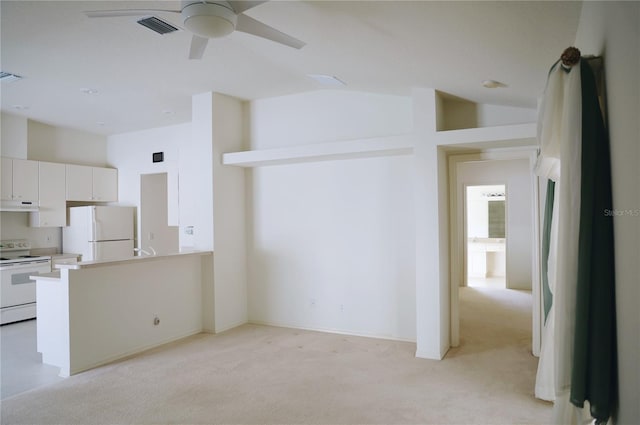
x: 145, y: 80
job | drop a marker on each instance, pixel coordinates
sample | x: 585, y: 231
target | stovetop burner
x: 17, y: 251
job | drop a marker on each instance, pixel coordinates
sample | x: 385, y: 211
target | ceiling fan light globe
x: 209, y: 20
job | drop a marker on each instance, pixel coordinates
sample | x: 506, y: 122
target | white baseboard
x: 330, y: 330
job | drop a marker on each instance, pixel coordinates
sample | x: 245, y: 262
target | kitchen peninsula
x: 94, y: 312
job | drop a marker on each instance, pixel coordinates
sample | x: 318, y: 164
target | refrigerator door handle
x: 94, y: 224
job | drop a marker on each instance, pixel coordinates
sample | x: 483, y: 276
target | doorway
x: 156, y: 236
x: 513, y: 169
x: 485, y: 229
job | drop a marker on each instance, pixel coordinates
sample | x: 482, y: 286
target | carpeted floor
x: 260, y: 374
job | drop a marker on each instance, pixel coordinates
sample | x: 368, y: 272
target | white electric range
x: 18, y: 297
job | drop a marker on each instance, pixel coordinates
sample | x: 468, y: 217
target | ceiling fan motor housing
x: 209, y: 20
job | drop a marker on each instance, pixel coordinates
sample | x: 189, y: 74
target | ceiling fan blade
x: 251, y: 26
x: 124, y: 12
x: 240, y: 6
x: 198, y: 45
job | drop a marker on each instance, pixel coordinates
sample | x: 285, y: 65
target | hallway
x: 494, y: 318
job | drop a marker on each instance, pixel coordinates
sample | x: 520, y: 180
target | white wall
x: 612, y: 29
x: 494, y: 115
x: 331, y: 244
x: 229, y: 215
x: 27, y: 139
x: 303, y: 118
x: 516, y: 175
x: 15, y: 225
x: 155, y: 234
x: 131, y: 153
x: 456, y: 113
x: 58, y: 144
x: 13, y: 136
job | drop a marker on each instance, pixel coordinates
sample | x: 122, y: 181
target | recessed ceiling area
x: 386, y: 47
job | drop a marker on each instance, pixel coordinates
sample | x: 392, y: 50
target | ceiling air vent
x: 157, y: 25
x: 7, y: 77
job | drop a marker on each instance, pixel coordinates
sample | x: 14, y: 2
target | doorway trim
x: 465, y: 234
x: 457, y: 210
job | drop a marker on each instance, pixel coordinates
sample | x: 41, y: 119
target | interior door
x: 155, y: 233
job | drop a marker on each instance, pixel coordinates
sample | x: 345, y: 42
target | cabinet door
x: 105, y: 184
x: 51, y: 182
x: 25, y: 180
x: 51, y: 204
x: 79, y: 182
x: 51, y: 213
x: 7, y: 179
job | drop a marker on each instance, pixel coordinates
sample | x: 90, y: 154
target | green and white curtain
x: 578, y: 356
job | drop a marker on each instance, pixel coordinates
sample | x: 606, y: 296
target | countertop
x: 64, y: 255
x: 132, y: 260
x: 53, y: 276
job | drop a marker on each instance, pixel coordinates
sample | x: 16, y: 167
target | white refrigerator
x: 99, y: 232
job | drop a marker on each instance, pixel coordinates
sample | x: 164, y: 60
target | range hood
x: 19, y: 206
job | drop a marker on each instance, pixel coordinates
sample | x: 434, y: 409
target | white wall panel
x: 59, y: 144
x: 331, y: 244
x: 326, y: 116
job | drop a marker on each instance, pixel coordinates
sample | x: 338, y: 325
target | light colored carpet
x: 260, y: 374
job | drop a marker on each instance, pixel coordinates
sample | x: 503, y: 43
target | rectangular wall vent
x: 157, y: 25
x: 7, y: 77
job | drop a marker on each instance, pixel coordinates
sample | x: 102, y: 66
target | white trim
x: 514, y: 134
x: 456, y: 204
x: 359, y: 148
x: 329, y: 330
x: 66, y: 372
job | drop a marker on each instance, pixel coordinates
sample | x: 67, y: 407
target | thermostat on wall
x: 158, y: 156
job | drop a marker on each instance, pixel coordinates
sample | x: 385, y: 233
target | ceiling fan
x: 211, y: 19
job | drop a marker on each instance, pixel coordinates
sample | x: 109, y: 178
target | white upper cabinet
x: 52, y: 205
x: 7, y: 178
x: 79, y: 183
x: 105, y: 184
x: 94, y: 184
x: 19, y: 180
x: 51, y: 181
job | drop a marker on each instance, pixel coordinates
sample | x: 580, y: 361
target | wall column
x: 432, y: 261
x: 212, y: 200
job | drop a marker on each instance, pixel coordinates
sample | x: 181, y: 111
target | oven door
x: 17, y: 288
